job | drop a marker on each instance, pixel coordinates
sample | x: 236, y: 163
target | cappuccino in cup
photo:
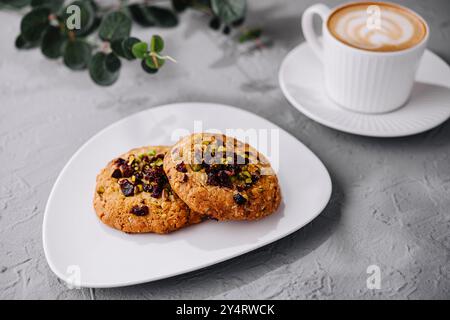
x: 369, y: 51
x: 377, y: 26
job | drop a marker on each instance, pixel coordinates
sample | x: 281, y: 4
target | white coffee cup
x: 362, y: 80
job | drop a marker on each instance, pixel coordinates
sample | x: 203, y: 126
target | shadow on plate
x: 284, y: 251
x: 196, y: 234
x: 239, y: 230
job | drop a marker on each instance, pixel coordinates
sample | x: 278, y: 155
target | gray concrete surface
x: 390, y: 206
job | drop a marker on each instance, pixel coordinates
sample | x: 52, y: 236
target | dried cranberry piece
x: 231, y: 170
x: 127, y: 170
x: 211, y: 168
x: 139, y: 210
x: 147, y: 170
x: 157, y: 191
x: 206, y: 166
x: 239, y: 198
x: 224, y: 179
x: 153, y: 174
x: 212, y: 179
x: 236, y: 167
x: 156, y: 175
x: 161, y: 181
x: 255, y: 178
x: 117, y: 174
x: 147, y: 187
x: 138, y: 177
x: 219, y: 178
x: 119, y: 161
x: 126, y: 187
x: 181, y: 167
x: 185, y: 178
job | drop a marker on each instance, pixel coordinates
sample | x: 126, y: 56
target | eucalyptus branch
x: 67, y: 30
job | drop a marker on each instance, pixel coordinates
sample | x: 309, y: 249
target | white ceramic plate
x: 77, y: 243
x: 301, y: 81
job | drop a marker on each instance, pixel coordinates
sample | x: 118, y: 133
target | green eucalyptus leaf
x: 53, y: 42
x: 117, y: 48
x: 87, y: 23
x: 181, y: 5
x: 139, y: 15
x: 140, y: 50
x: 148, y: 16
x: 53, y: 5
x: 147, y: 68
x: 112, y: 63
x: 127, y: 46
x: 124, y: 47
x: 85, y: 32
x: 115, y: 25
x: 34, y: 23
x: 156, y: 44
x: 14, y: 4
x: 163, y: 17
x: 77, y: 54
x: 21, y: 43
x: 154, y: 62
x: 229, y: 11
x: 102, y: 72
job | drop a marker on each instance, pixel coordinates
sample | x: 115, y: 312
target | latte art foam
x: 389, y: 28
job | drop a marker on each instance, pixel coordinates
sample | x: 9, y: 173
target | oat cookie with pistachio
x: 133, y: 194
x: 222, y: 177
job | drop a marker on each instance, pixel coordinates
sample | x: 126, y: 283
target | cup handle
x: 307, y: 26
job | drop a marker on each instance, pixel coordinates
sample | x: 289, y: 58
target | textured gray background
x: 390, y: 205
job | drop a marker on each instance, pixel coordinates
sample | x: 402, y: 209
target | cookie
x: 222, y: 177
x: 133, y: 195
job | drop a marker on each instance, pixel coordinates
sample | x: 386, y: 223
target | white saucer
x: 301, y: 80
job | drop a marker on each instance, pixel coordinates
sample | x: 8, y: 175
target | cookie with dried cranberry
x: 222, y: 177
x: 133, y: 195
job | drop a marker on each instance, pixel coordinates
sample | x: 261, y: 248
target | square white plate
x: 82, y: 250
